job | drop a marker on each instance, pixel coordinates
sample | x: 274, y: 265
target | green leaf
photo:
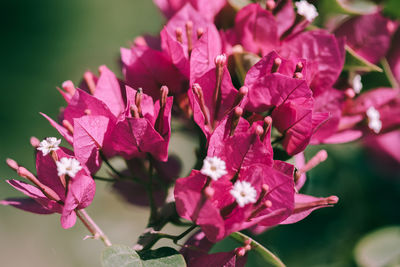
x: 161, y: 257
x: 120, y: 256
x: 265, y: 254
x: 379, y: 248
x: 349, y: 7
x: 124, y: 256
x: 354, y: 62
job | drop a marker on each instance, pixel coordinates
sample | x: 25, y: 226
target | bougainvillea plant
x: 257, y: 83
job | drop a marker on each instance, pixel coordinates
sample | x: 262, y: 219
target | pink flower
x: 375, y: 111
x: 250, y: 191
x: 189, y: 45
x: 368, y: 35
x: 289, y: 100
x: 213, y: 96
x: 260, y: 31
x: 91, y: 115
x: 147, y: 126
x: 61, y: 186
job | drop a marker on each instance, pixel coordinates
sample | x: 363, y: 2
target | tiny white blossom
x: 244, y: 193
x: 357, y: 85
x: 374, y: 122
x: 68, y: 166
x: 49, y: 144
x: 214, y: 168
x: 307, y: 10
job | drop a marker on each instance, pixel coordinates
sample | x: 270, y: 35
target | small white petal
x: 49, y: 144
x: 357, y: 85
x: 307, y: 10
x: 68, y: 166
x: 244, y: 193
x: 374, y: 122
x: 214, y: 168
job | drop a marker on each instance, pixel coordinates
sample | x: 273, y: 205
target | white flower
x: 244, y: 193
x: 214, y: 168
x: 307, y: 10
x: 357, y: 85
x: 374, y: 122
x: 68, y: 166
x: 49, y: 144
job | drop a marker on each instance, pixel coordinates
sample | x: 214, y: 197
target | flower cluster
x: 261, y: 89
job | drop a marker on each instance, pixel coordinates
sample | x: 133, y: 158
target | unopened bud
x: 12, y: 164
x: 220, y: 60
x: 69, y: 87
x: 209, y: 192
x: 350, y: 93
x: 240, y: 252
x: 275, y: 66
x: 89, y: 79
x: 270, y: 5
x: 34, y: 142
x: 298, y: 75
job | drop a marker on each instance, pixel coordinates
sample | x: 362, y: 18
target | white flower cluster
x: 307, y: 10
x: 244, y: 193
x: 374, y: 120
x: 49, y: 144
x: 214, y: 168
x: 68, y: 166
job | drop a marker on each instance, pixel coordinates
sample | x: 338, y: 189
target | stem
x: 103, y: 157
x: 179, y: 237
x: 93, y: 228
x: 149, y: 188
x: 267, y: 255
x: 389, y: 73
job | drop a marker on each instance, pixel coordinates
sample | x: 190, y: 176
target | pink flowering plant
x: 257, y: 83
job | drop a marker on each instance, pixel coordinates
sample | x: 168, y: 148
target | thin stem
x: 149, y: 188
x: 103, y: 157
x: 179, y: 237
x: 389, y: 73
x: 175, y: 238
x: 93, y: 228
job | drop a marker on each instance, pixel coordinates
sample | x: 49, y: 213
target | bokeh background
x: 44, y: 43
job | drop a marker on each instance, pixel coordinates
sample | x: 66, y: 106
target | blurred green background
x: 46, y: 42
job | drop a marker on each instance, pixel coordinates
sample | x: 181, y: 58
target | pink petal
x: 373, y: 98
x: 343, y: 137
x: 82, y: 102
x: 47, y: 170
x: 320, y: 48
x: 273, y: 90
x: 37, y: 195
x: 368, y: 35
x: 305, y: 204
x: 256, y: 29
x: 150, y: 69
x: 204, y: 53
x: 393, y: 56
x: 228, y: 94
x: 108, y: 90
x: 26, y: 204
x: 64, y: 132
x: 89, y: 135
